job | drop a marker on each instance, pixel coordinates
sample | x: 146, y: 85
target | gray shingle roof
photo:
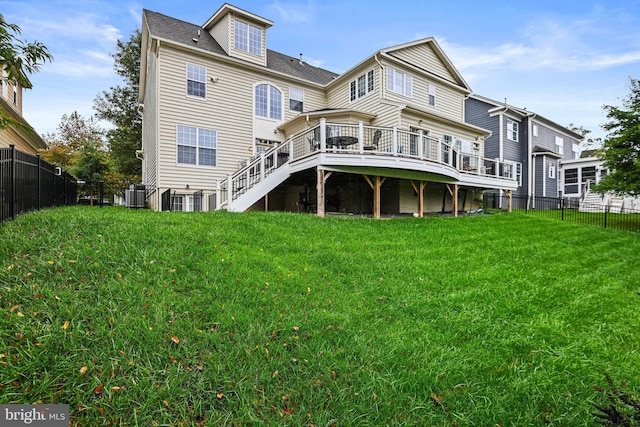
x: 177, y: 31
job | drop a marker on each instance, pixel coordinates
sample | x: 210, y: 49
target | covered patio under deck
x: 417, y: 165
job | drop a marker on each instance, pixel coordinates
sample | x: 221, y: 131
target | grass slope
x: 141, y: 318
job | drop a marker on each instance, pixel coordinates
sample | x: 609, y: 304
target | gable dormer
x: 240, y: 33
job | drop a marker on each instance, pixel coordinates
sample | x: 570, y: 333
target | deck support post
x: 508, y: 195
x: 320, y: 192
x: 322, y: 180
x: 375, y: 185
x: 420, y: 190
x: 266, y: 202
x: 454, y: 195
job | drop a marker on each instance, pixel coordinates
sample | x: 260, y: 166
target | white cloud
x: 293, y: 12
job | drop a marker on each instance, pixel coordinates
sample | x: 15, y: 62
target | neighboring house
x: 579, y: 175
x: 538, y: 144
x: 231, y: 124
x: 11, y: 106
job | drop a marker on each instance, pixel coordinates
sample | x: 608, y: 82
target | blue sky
x: 563, y: 59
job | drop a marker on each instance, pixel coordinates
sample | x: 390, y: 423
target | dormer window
x: 248, y: 38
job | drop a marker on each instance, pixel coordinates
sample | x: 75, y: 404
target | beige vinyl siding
x: 423, y: 56
x: 221, y: 32
x: 449, y: 100
x: 339, y: 96
x: 228, y: 109
x: 10, y: 137
x: 150, y: 124
x: 176, y: 108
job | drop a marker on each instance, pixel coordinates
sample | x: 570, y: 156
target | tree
x: 119, y: 106
x: 588, y: 143
x: 78, y: 145
x: 621, y: 154
x: 18, y: 58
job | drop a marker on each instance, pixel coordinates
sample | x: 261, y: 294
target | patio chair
x: 374, y: 144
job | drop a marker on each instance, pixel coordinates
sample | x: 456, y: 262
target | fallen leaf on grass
x: 437, y: 400
x: 15, y: 307
x: 98, y: 389
x: 175, y: 339
x: 66, y: 325
x: 220, y: 395
x: 83, y: 370
x: 165, y: 403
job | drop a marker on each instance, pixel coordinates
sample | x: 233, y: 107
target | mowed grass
x: 142, y: 318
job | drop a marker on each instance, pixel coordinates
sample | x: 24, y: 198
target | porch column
x: 508, y: 194
x: 361, y: 137
x: 323, y: 134
x: 266, y: 202
x: 320, y: 192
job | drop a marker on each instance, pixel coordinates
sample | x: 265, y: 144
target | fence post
x: 39, y: 182
x: 101, y: 186
x: 562, y: 207
x: 12, y: 183
x: 606, y: 211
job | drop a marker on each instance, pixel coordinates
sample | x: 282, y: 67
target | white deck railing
x: 358, y: 139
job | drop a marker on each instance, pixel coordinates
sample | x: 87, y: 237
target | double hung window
x: 559, y: 145
x: 296, y: 99
x: 399, y: 82
x: 512, y: 130
x: 196, y: 146
x: 196, y: 80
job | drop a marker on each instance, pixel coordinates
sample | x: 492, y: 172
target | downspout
x: 501, y: 150
x: 530, y: 170
x: 382, y: 85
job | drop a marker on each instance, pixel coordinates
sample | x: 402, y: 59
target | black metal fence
x: 570, y: 209
x: 29, y: 183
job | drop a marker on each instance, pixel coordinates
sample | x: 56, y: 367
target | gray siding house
x: 536, y: 143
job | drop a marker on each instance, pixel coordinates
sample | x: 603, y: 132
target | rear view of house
x: 230, y: 124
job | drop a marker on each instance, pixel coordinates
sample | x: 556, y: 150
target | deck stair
x: 593, y: 202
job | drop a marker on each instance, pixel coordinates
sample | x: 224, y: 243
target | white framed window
x: 519, y: 174
x: 196, y: 146
x: 512, y: 130
x: 432, y: 95
x: 559, y: 145
x: 196, y: 81
x: 552, y: 170
x: 575, y: 151
x: 361, y: 86
x: 268, y: 101
x: 296, y: 99
x: 177, y: 203
x: 399, y: 82
x: 248, y: 38
x: 186, y: 202
x: 535, y: 129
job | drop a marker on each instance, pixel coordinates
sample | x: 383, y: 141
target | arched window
x: 268, y: 100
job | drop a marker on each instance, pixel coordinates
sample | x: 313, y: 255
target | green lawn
x: 142, y: 318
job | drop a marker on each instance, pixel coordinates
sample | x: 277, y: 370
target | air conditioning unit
x: 134, y: 198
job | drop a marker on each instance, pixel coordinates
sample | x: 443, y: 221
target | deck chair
x: 376, y: 138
